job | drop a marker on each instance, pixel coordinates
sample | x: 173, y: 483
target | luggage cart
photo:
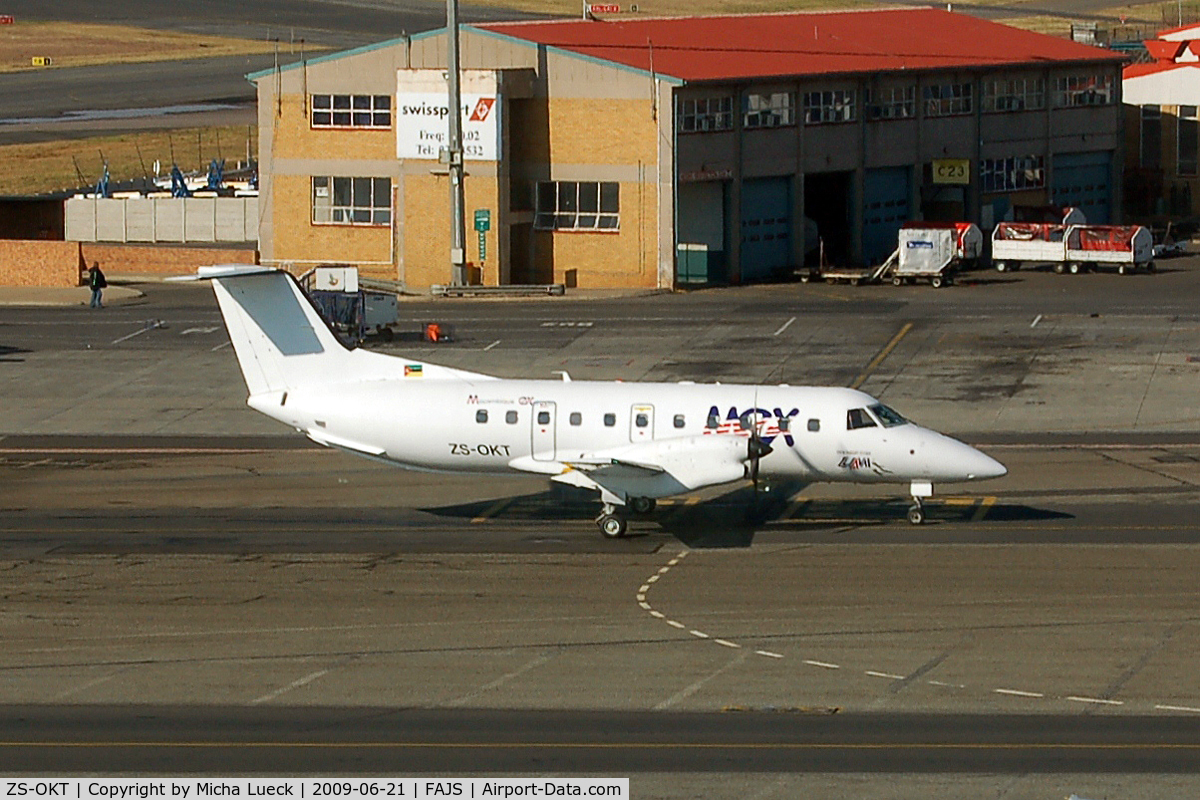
x: 936, y: 251
x: 350, y: 310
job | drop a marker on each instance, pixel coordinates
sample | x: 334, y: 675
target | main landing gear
x: 612, y: 525
x: 612, y: 522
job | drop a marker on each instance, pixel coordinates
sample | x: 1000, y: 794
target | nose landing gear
x: 918, y: 490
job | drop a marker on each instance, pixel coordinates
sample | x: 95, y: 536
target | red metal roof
x: 1162, y: 50
x: 1140, y: 70
x: 765, y: 45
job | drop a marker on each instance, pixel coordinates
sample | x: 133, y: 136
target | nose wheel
x: 612, y: 525
x: 916, y: 512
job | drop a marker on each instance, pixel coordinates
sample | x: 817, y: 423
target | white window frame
x: 948, y: 99
x: 1187, y: 114
x: 578, y: 206
x: 892, y: 102
x: 351, y: 111
x: 1012, y: 94
x: 829, y: 106
x: 1084, y: 89
x: 704, y: 114
x: 341, y: 200
x: 1150, y: 157
x: 768, y: 109
x: 1012, y: 174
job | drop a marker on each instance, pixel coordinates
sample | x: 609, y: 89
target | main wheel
x: 642, y: 505
x: 916, y: 515
x: 612, y: 526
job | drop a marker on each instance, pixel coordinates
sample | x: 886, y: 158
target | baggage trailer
x: 350, y: 309
x: 936, y: 251
x: 852, y: 275
x: 1018, y: 244
x: 1126, y: 247
x: 1072, y: 248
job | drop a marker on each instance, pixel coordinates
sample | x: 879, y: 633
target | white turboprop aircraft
x: 632, y: 442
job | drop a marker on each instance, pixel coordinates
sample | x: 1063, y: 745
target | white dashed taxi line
x: 643, y: 601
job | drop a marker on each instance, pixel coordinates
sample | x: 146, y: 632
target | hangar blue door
x: 1083, y: 180
x: 886, y: 195
x: 766, y: 227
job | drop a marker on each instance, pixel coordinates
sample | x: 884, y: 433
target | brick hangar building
x: 659, y: 152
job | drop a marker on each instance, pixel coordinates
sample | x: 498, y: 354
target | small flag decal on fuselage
x: 413, y: 370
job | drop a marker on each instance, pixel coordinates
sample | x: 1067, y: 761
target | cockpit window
x: 887, y: 416
x: 858, y: 418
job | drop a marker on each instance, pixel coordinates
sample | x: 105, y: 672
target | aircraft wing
x: 660, y: 469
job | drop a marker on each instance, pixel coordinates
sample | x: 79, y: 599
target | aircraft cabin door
x: 544, y: 439
x: 641, y: 423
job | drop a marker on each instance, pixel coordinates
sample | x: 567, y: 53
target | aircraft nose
x: 980, y: 466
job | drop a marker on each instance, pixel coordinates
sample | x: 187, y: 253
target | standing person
x: 97, y: 282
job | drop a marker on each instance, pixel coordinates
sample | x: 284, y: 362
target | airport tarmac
x: 181, y: 577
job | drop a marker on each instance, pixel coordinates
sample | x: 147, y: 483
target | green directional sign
x: 483, y: 219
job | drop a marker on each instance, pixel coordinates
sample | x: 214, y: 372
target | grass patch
x: 71, y: 44
x: 50, y: 166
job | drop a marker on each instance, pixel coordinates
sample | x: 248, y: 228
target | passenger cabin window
x: 713, y: 422
x: 785, y: 424
x: 814, y: 425
x: 510, y: 417
x: 610, y: 420
x: 887, y: 416
x: 679, y: 421
x: 576, y: 418
x: 641, y: 420
x: 858, y: 418
x: 481, y: 415
x: 543, y: 418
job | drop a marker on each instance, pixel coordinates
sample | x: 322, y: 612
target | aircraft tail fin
x: 280, y: 339
x: 282, y: 342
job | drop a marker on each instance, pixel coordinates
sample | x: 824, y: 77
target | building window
x: 1083, y: 90
x: 892, y: 102
x: 1013, y: 174
x: 1188, y: 130
x: 577, y: 205
x: 1151, y: 136
x: 1018, y: 94
x: 836, y: 105
x: 351, y: 201
x: 706, y: 114
x: 768, y: 110
x: 351, y: 111
x: 947, y: 99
